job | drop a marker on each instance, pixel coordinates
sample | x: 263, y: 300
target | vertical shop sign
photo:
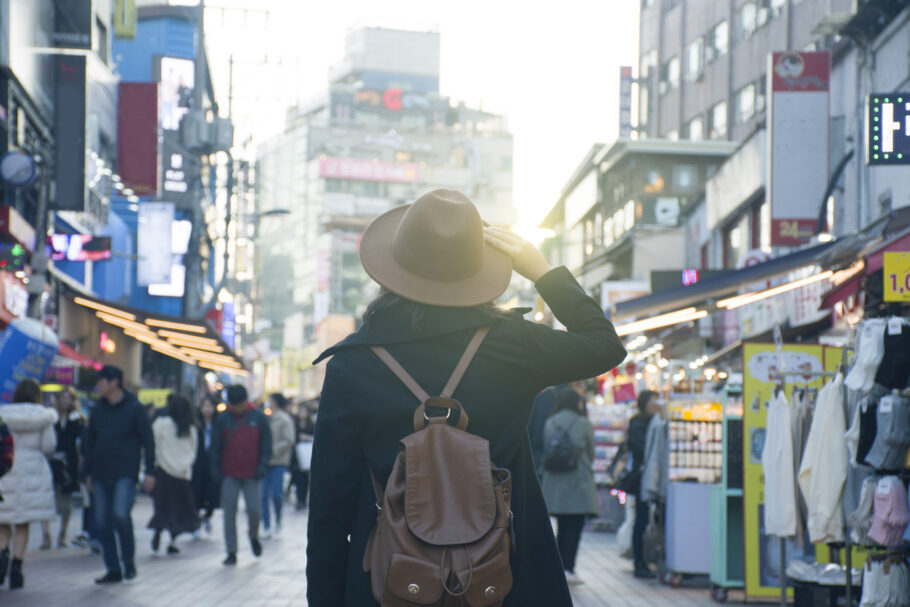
x: 154, y: 243
x: 69, y: 131
x: 798, y: 142
x: 761, y: 363
x: 137, y: 125
x: 228, y: 326
x: 125, y: 19
x: 625, y: 102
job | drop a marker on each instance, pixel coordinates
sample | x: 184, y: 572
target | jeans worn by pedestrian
x: 230, y: 493
x: 112, y: 502
x: 273, y: 488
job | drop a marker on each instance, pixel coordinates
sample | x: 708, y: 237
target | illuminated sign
x: 391, y: 99
x: 888, y: 129
x: 78, y: 247
x: 175, y: 93
x: 689, y: 277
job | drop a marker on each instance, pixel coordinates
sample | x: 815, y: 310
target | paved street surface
x: 195, y: 577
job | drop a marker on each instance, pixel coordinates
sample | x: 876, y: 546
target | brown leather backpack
x: 443, y: 535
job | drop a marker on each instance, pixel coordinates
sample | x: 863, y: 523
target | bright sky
x: 554, y: 73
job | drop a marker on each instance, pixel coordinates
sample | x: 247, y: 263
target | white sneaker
x: 266, y: 534
x: 573, y: 579
x: 277, y: 531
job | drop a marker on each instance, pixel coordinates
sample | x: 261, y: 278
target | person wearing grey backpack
x: 569, y: 490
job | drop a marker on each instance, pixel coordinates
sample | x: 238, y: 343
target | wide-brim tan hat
x: 433, y: 251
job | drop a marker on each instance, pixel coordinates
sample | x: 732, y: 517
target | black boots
x: 4, y: 564
x: 16, y: 579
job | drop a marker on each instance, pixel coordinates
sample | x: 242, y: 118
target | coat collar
x: 393, y: 326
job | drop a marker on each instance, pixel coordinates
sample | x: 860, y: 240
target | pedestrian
x: 636, y: 441
x: 281, y: 427
x: 206, y: 490
x: 175, y: 446
x: 300, y: 470
x: 544, y: 406
x: 241, y: 448
x: 570, y: 494
x: 69, y: 429
x: 27, y: 490
x: 118, y: 435
x: 440, y: 270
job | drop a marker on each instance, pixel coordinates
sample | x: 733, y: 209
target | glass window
x: 720, y: 38
x: 670, y: 74
x: 629, y: 215
x: 608, y: 231
x: 717, y: 127
x: 777, y: 7
x: 598, y: 229
x: 745, y: 20
x: 672, y: 135
x: 745, y: 103
x: 695, y: 129
x: 589, y: 237
x: 654, y: 181
x: 685, y: 178
x: 694, y: 59
x: 618, y: 223
x: 760, y: 94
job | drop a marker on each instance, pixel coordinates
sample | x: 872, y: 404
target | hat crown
x: 440, y: 237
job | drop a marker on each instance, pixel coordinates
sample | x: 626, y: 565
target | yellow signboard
x: 125, y: 19
x: 896, y: 276
x: 761, y: 363
x: 154, y: 396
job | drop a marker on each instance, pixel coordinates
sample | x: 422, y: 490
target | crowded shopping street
x: 477, y: 304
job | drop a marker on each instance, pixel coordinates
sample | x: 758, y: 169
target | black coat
x: 113, y: 440
x: 636, y: 440
x: 69, y: 432
x: 365, y: 410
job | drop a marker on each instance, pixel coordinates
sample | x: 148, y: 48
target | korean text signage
x: 69, y: 131
x: 73, y: 24
x: 368, y: 170
x: 896, y: 275
x: 798, y: 146
x: 888, y: 129
x: 26, y: 350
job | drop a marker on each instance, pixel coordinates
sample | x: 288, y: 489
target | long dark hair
x: 567, y: 399
x: 386, y: 300
x: 180, y: 410
x: 28, y: 391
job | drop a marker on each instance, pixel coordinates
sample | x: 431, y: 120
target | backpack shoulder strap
x: 466, y: 359
x: 386, y: 357
x: 399, y: 371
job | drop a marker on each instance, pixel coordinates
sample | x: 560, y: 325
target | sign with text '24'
x: 888, y: 129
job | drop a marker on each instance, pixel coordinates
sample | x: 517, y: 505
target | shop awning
x: 717, y: 286
x: 191, y: 341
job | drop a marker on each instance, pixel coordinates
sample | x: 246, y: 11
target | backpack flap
x: 413, y: 581
x: 449, y: 498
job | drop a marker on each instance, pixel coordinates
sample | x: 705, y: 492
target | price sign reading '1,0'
x: 888, y: 134
x: 897, y: 276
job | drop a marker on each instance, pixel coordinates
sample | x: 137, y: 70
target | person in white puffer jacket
x: 28, y: 489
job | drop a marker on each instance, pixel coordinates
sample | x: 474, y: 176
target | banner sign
x: 73, y: 24
x: 896, y: 276
x: 26, y: 350
x: 798, y: 119
x: 125, y: 19
x: 137, y: 125
x: 625, y: 102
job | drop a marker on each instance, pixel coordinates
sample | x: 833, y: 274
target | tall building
x: 703, y: 63
x: 380, y: 136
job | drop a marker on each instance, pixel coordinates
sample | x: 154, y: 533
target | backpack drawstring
x: 442, y: 570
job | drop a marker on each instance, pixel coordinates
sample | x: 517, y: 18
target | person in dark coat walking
x: 636, y: 440
x: 571, y: 494
x: 69, y: 429
x: 118, y: 431
x: 441, y: 269
x: 206, y: 490
x: 300, y: 472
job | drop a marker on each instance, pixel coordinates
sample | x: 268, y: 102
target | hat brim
x: 376, y: 256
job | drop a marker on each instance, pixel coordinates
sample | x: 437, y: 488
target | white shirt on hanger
x: 777, y: 465
x: 824, y: 467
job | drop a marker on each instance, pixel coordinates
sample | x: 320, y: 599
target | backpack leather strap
x: 466, y: 359
x: 399, y: 371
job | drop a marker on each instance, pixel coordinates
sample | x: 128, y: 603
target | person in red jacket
x: 241, y: 448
